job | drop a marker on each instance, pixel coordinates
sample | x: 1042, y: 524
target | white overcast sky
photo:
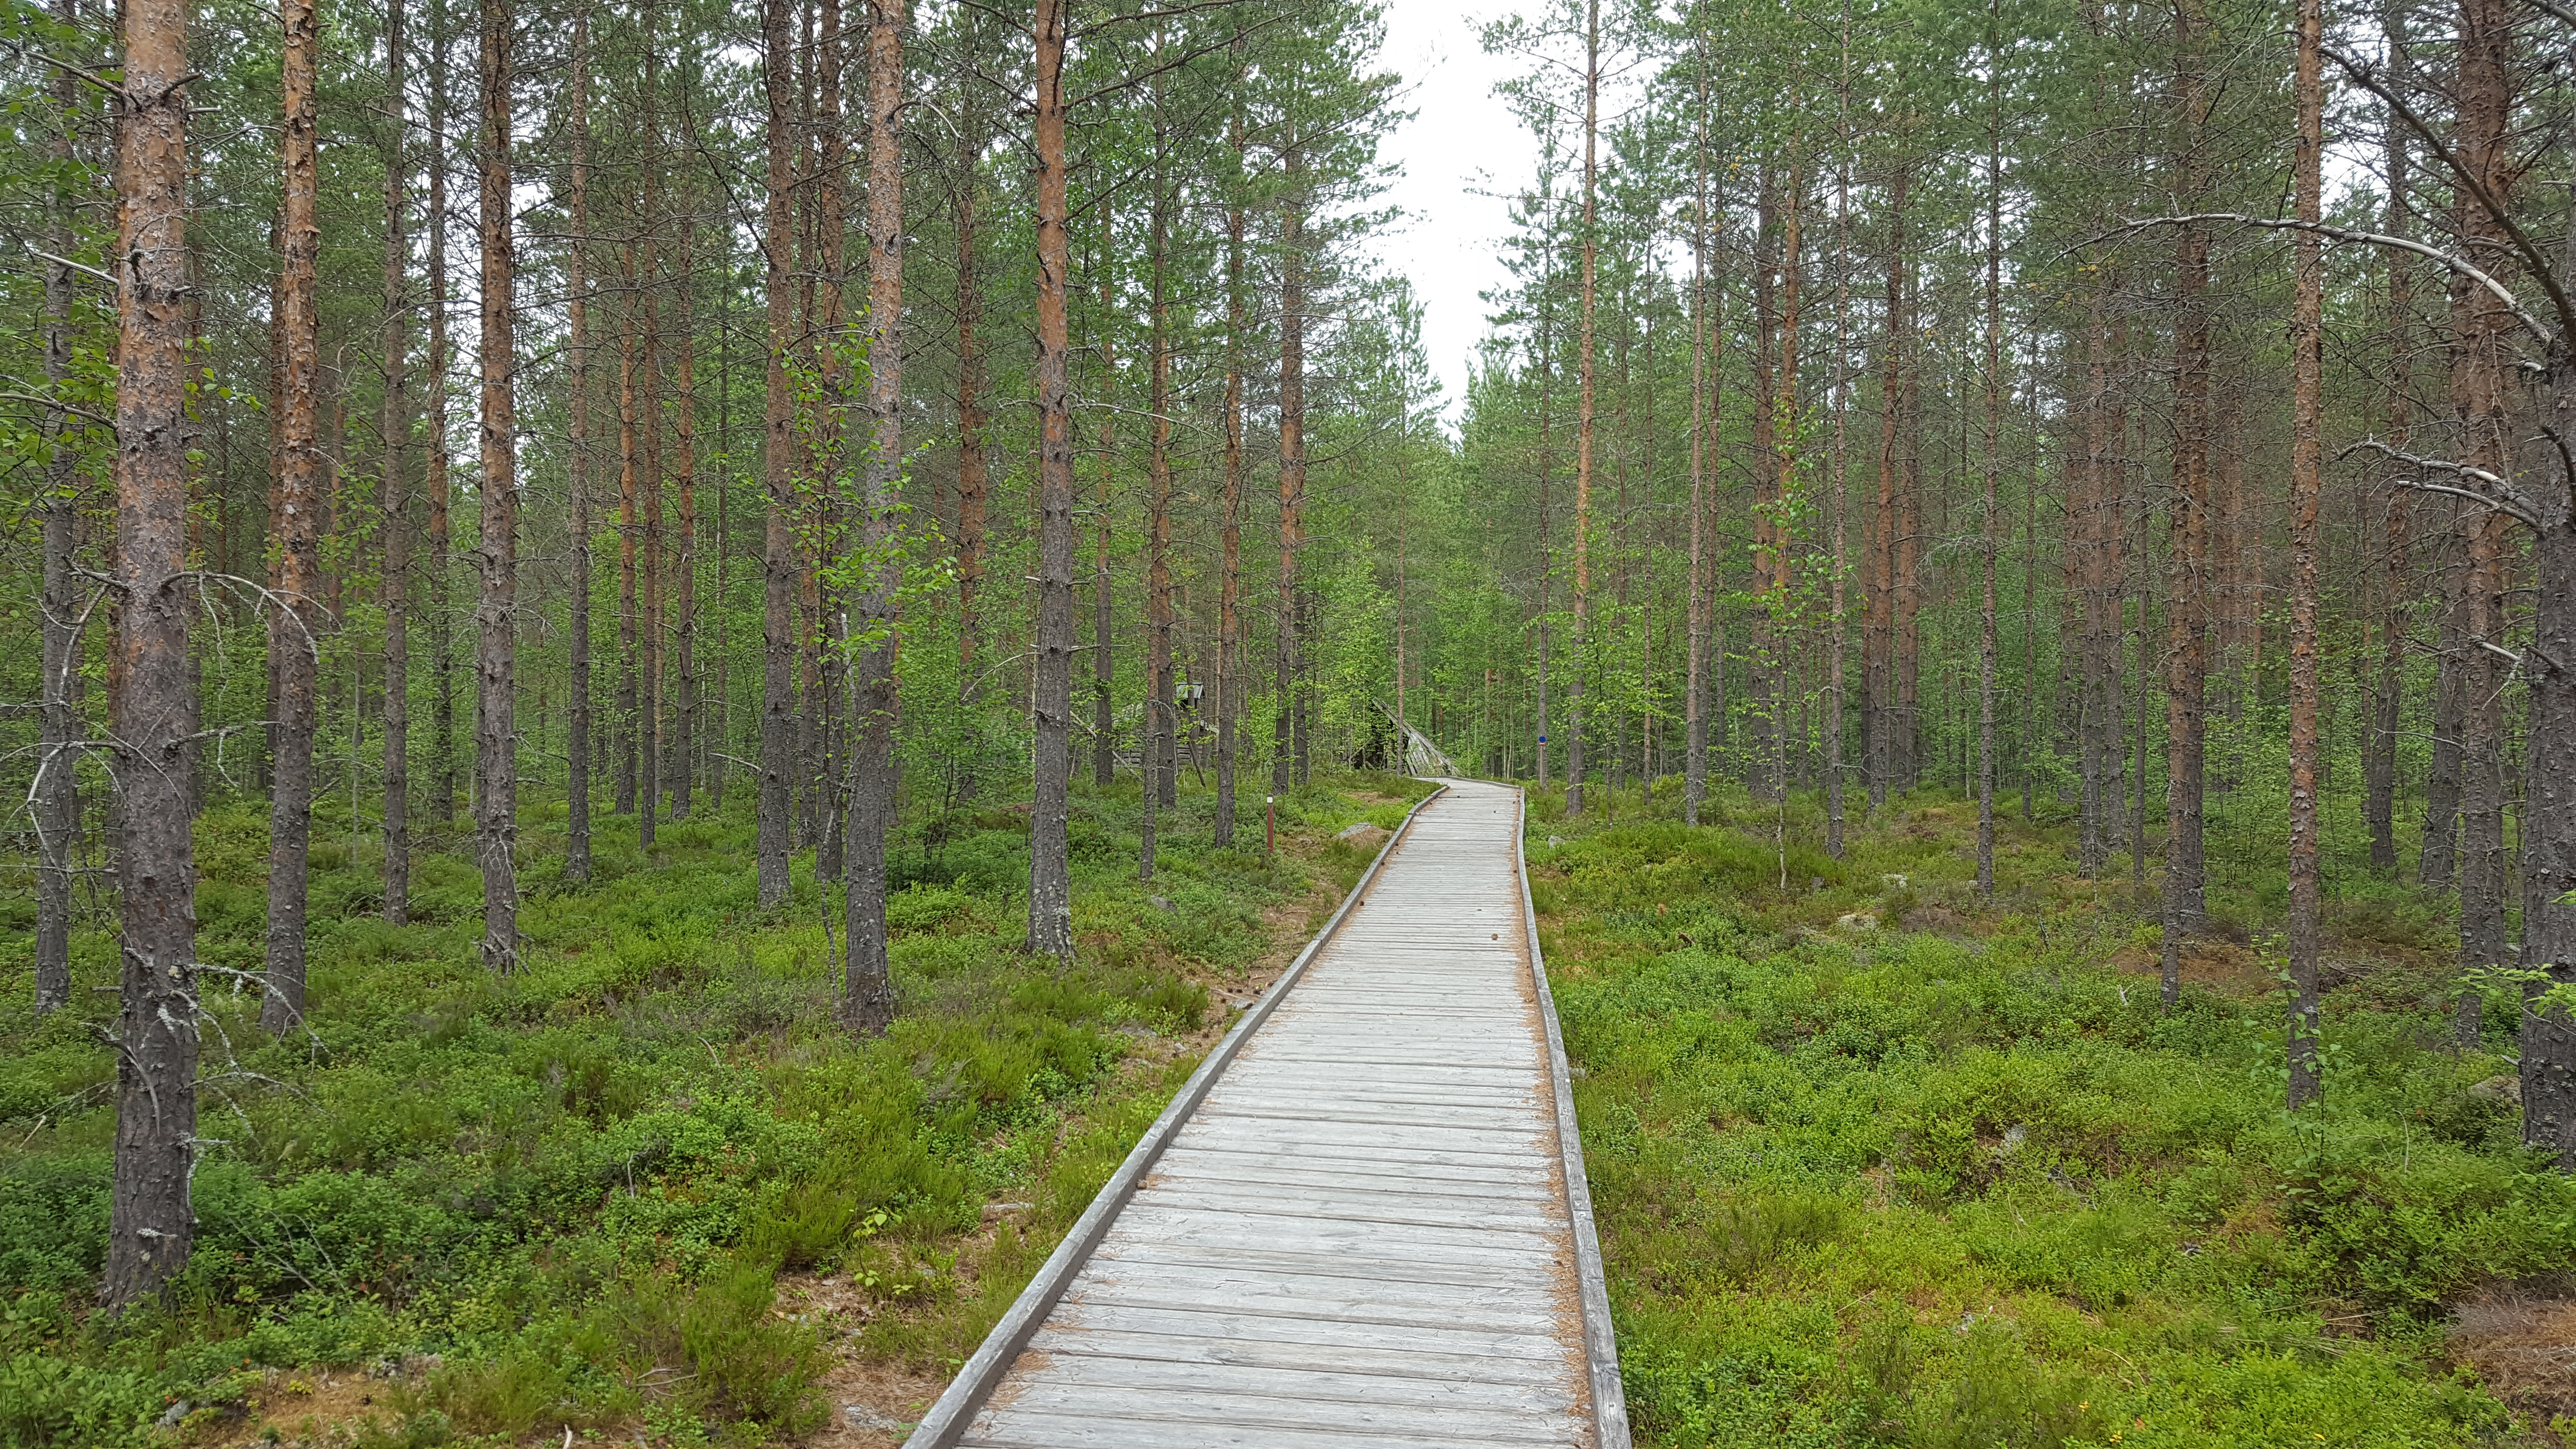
x: 1461, y: 141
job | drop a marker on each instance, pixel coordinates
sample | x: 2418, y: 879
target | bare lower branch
x: 2498, y: 493
x: 2497, y: 289
x: 2367, y: 77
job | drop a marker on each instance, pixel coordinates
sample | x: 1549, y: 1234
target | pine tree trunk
x: 1546, y: 473
x: 1578, y: 656
x: 835, y: 448
x: 648, y: 488
x: 2479, y: 399
x: 1229, y: 647
x: 868, y: 984
x: 629, y: 516
x: 496, y: 745
x: 1762, y: 669
x: 442, y: 542
x: 1906, y: 733
x: 1051, y: 691
x: 1289, y: 749
x: 973, y: 436
x: 1157, y: 781
x: 295, y: 619
x: 1838, y: 471
x: 778, y: 553
x: 2085, y: 488
x: 57, y: 806
x: 681, y: 754
x: 577, y: 463
x: 2186, y: 648
x: 2307, y: 467
x: 1104, y: 719
x: 2437, y: 860
x: 1994, y: 462
x: 1882, y: 718
x: 1694, y: 691
x: 150, y: 1225
x: 394, y: 427
x: 2379, y: 758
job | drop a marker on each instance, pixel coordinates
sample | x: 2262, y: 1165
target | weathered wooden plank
x: 1534, y: 1183
x: 1307, y: 1233
x: 1506, y: 1353
x: 1200, y: 1258
x: 1075, y: 1431
x: 1389, y: 1208
x: 1048, y: 1394
x: 1196, y: 1346
x: 1361, y: 1234
x: 1083, y: 1364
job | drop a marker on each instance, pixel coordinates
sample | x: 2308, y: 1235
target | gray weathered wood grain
x: 1362, y: 1226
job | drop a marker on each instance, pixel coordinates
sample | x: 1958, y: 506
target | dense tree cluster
x: 2156, y: 414
x: 1995, y: 398
x: 378, y: 372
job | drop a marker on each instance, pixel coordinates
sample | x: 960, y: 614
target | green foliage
x: 1965, y: 1185
x: 567, y: 1196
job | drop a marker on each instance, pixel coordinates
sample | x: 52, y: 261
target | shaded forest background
x: 466, y: 460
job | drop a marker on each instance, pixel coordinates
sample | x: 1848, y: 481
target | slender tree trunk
x: 2379, y: 757
x: 1158, y: 488
x: 681, y: 753
x: 973, y: 437
x: 2307, y: 467
x: 295, y: 620
x: 720, y: 734
x: 1906, y: 735
x: 648, y: 488
x: 2186, y: 648
x: 1289, y: 745
x: 57, y: 802
x: 150, y: 1225
x: 1837, y: 471
x: 394, y: 426
x: 2478, y: 396
x: 1546, y: 476
x: 1785, y: 442
x: 778, y: 554
x: 1694, y: 701
x: 1229, y: 655
x: 868, y: 985
x: 1051, y: 685
x: 836, y: 446
x: 1579, y: 660
x: 2097, y: 729
x: 1994, y: 461
x: 577, y: 463
x: 630, y: 655
x: 2437, y: 863
x: 1104, y: 721
x: 496, y: 743
x: 1762, y: 666
x: 442, y: 543
x: 1883, y: 717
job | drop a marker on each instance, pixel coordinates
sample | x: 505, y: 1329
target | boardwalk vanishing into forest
x: 1362, y: 1223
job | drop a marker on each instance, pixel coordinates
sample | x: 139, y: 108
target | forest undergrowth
x: 1878, y: 1162
x: 647, y: 1187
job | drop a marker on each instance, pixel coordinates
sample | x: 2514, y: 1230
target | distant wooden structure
x: 1362, y: 1224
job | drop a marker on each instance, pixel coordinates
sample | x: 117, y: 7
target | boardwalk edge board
x: 983, y: 1373
x: 1600, y: 1339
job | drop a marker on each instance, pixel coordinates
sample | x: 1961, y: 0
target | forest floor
x: 1876, y: 1161
x: 645, y: 1188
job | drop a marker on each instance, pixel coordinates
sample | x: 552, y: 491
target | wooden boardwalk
x: 1362, y: 1225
